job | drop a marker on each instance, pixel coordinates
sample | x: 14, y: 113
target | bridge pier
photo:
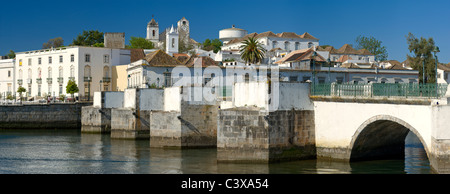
x: 439, y: 154
x: 252, y: 135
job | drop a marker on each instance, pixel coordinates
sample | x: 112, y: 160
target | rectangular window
x: 39, y: 61
x: 306, y: 78
x: 9, y: 88
x: 321, y: 80
x: 9, y: 73
x: 445, y: 76
x: 60, y: 58
x: 20, y: 62
x: 105, y: 58
x: 29, y: 61
x: 167, y: 79
x: 293, y: 78
x: 72, y: 58
x: 49, y: 60
x: 87, y: 58
x: 339, y: 80
x: 60, y: 89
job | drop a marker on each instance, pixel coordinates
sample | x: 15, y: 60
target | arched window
x: 274, y: 44
x: 310, y: 44
x: 39, y: 73
x: 49, y: 72
x: 173, y: 42
x: 106, y: 71
x: 29, y: 73
x: 153, y: 33
x: 72, y: 71
x: 247, y: 78
x: 87, y: 71
x: 60, y: 71
x: 286, y: 45
x: 297, y: 45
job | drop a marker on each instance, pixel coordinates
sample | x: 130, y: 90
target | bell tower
x: 172, y: 37
x: 153, y: 31
x: 183, y: 29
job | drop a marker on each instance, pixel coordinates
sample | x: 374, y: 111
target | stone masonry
x: 194, y: 127
x: 255, y: 135
x: 95, y: 120
x: 42, y: 116
x: 130, y: 124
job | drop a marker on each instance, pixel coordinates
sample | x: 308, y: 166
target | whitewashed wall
x: 172, y: 99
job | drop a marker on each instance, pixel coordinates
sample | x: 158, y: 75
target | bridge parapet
x: 380, y: 90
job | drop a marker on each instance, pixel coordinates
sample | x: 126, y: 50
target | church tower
x: 183, y: 28
x: 172, y: 37
x: 153, y: 31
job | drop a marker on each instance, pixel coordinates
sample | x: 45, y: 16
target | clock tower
x: 183, y: 29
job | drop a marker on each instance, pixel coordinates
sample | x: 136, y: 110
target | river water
x: 73, y: 152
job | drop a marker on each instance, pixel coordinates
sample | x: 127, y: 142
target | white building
x: 286, y: 41
x: 46, y: 72
x: 347, y: 54
x: 443, y: 72
x: 7, y: 84
x: 172, y: 37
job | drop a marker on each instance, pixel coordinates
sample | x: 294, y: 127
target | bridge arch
x: 382, y: 137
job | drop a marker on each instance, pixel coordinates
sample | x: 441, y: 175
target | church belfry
x: 183, y: 29
x: 172, y: 40
x: 153, y: 31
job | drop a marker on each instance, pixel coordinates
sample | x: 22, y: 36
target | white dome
x: 231, y: 33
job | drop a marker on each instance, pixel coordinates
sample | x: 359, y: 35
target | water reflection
x: 70, y: 152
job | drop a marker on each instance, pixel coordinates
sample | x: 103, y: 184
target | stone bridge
x: 352, y: 131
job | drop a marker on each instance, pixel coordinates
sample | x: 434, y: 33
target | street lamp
x: 435, y: 51
x: 89, y: 88
x: 314, y: 54
x: 422, y: 56
x: 329, y: 67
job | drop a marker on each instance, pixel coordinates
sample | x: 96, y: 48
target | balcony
x: 49, y: 80
x: 60, y: 80
x: 20, y: 81
x: 39, y: 80
x: 106, y: 79
x: 87, y: 79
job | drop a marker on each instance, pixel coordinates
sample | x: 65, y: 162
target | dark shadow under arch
x: 381, y: 137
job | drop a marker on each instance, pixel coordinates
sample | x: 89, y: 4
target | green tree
x: 372, y: 45
x: 99, y: 45
x: 139, y: 42
x: 71, y: 87
x: 20, y: 90
x: 88, y: 38
x: 418, y: 47
x: 54, y: 42
x: 11, y: 54
x: 184, y: 46
x: 252, y: 52
x: 213, y: 45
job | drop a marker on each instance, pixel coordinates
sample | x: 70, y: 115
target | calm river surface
x: 71, y: 152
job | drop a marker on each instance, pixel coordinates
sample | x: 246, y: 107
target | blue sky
x: 25, y: 25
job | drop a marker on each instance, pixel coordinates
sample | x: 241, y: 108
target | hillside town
x: 45, y: 73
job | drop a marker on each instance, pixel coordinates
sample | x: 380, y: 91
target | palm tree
x: 252, y: 51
